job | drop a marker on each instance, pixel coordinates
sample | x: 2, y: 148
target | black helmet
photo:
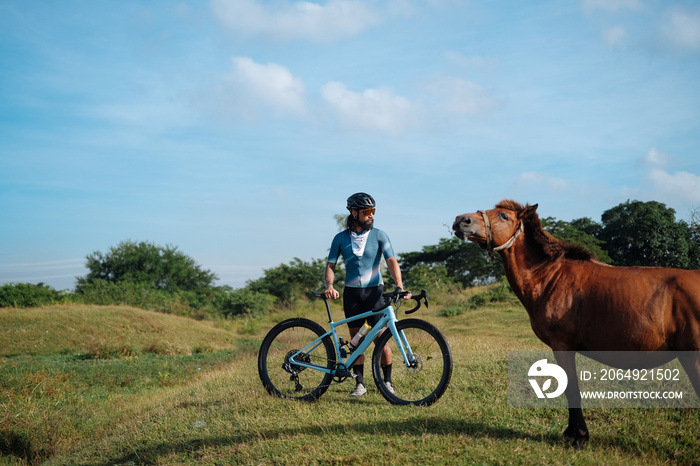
x: 359, y: 201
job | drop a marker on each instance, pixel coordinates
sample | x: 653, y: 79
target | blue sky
x: 235, y: 130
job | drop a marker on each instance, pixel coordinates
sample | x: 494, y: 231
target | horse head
x: 495, y: 229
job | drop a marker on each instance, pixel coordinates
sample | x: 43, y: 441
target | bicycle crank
x: 341, y: 373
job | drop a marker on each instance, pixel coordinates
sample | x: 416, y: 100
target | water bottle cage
x: 353, y: 348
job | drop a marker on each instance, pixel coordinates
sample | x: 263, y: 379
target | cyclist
x: 362, y: 247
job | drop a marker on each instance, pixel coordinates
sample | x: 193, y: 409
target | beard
x: 366, y: 225
x: 351, y: 223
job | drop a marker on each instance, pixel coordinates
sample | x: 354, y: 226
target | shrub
x: 243, y: 301
x: 28, y: 295
x: 287, y: 282
x: 183, y: 303
x: 432, y: 278
x: 497, y: 293
x: 103, y: 292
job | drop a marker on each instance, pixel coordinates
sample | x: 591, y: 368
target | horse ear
x: 528, y: 211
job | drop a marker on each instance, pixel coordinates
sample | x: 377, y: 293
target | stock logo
x: 543, y: 369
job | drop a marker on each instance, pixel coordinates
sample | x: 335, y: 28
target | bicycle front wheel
x: 283, y: 378
x: 428, y: 374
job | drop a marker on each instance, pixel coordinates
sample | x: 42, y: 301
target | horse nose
x: 460, y: 220
x: 462, y: 226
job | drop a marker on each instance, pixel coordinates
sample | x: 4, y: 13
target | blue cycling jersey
x: 363, y: 271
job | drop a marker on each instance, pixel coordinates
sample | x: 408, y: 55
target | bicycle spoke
x: 427, y: 376
x: 283, y: 377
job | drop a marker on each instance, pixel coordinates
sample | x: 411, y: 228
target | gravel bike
x: 299, y: 359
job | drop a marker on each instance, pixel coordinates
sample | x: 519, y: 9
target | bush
x: 28, y: 295
x: 287, y: 282
x: 243, y: 301
x: 183, y: 303
x: 497, y: 293
x: 103, y: 292
x: 432, y: 278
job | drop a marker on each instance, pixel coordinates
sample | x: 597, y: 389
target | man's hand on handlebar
x: 331, y: 293
x: 398, y: 293
x: 392, y: 297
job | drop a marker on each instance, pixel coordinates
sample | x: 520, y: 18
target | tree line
x: 165, y: 279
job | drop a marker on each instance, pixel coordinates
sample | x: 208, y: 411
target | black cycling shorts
x: 359, y: 300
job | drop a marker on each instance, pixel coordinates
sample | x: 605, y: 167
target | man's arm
x: 331, y: 292
x: 395, y: 272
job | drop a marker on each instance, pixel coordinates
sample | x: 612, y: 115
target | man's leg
x: 359, y: 370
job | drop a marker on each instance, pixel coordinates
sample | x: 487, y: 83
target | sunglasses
x: 367, y: 211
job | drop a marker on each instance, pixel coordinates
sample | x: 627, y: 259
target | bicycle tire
x: 426, y: 380
x: 278, y: 376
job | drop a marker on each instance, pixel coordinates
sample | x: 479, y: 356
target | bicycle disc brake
x: 416, y: 365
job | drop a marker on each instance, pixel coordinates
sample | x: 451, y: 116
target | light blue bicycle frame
x: 388, y: 320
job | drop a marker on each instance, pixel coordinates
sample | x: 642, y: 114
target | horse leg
x: 690, y: 360
x: 576, y: 429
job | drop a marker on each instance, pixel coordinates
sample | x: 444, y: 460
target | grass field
x: 117, y: 385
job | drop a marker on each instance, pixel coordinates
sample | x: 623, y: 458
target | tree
x: 286, y: 281
x: 28, y: 295
x: 156, y: 267
x: 646, y: 234
x: 695, y: 238
x: 340, y: 220
x: 464, y: 261
x: 588, y: 226
x: 582, y: 232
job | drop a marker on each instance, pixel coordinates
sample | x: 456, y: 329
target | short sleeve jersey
x: 363, y: 271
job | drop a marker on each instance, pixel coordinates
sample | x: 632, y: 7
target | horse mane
x: 551, y: 247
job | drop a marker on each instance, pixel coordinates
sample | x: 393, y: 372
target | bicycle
x: 299, y: 359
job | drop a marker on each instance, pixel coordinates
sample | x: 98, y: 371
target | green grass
x: 104, y: 329
x: 188, y: 392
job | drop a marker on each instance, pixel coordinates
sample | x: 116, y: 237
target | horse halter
x: 489, y: 236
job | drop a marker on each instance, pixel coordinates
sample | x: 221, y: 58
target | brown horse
x: 577, y: 304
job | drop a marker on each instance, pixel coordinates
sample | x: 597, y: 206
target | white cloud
x: 614, y: 35
x: 681, y: 29
x: 680, y: 185
x: 252, y: 84
x: 373, y: 109
x: 285, y: 20
x: 655, y: 158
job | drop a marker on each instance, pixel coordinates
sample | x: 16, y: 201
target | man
x: 362, y: 247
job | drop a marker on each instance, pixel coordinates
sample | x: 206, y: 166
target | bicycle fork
x: 413, y: 362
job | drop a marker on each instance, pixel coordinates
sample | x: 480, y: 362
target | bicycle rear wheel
x: 425, y: 380
x: 287, y: 380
